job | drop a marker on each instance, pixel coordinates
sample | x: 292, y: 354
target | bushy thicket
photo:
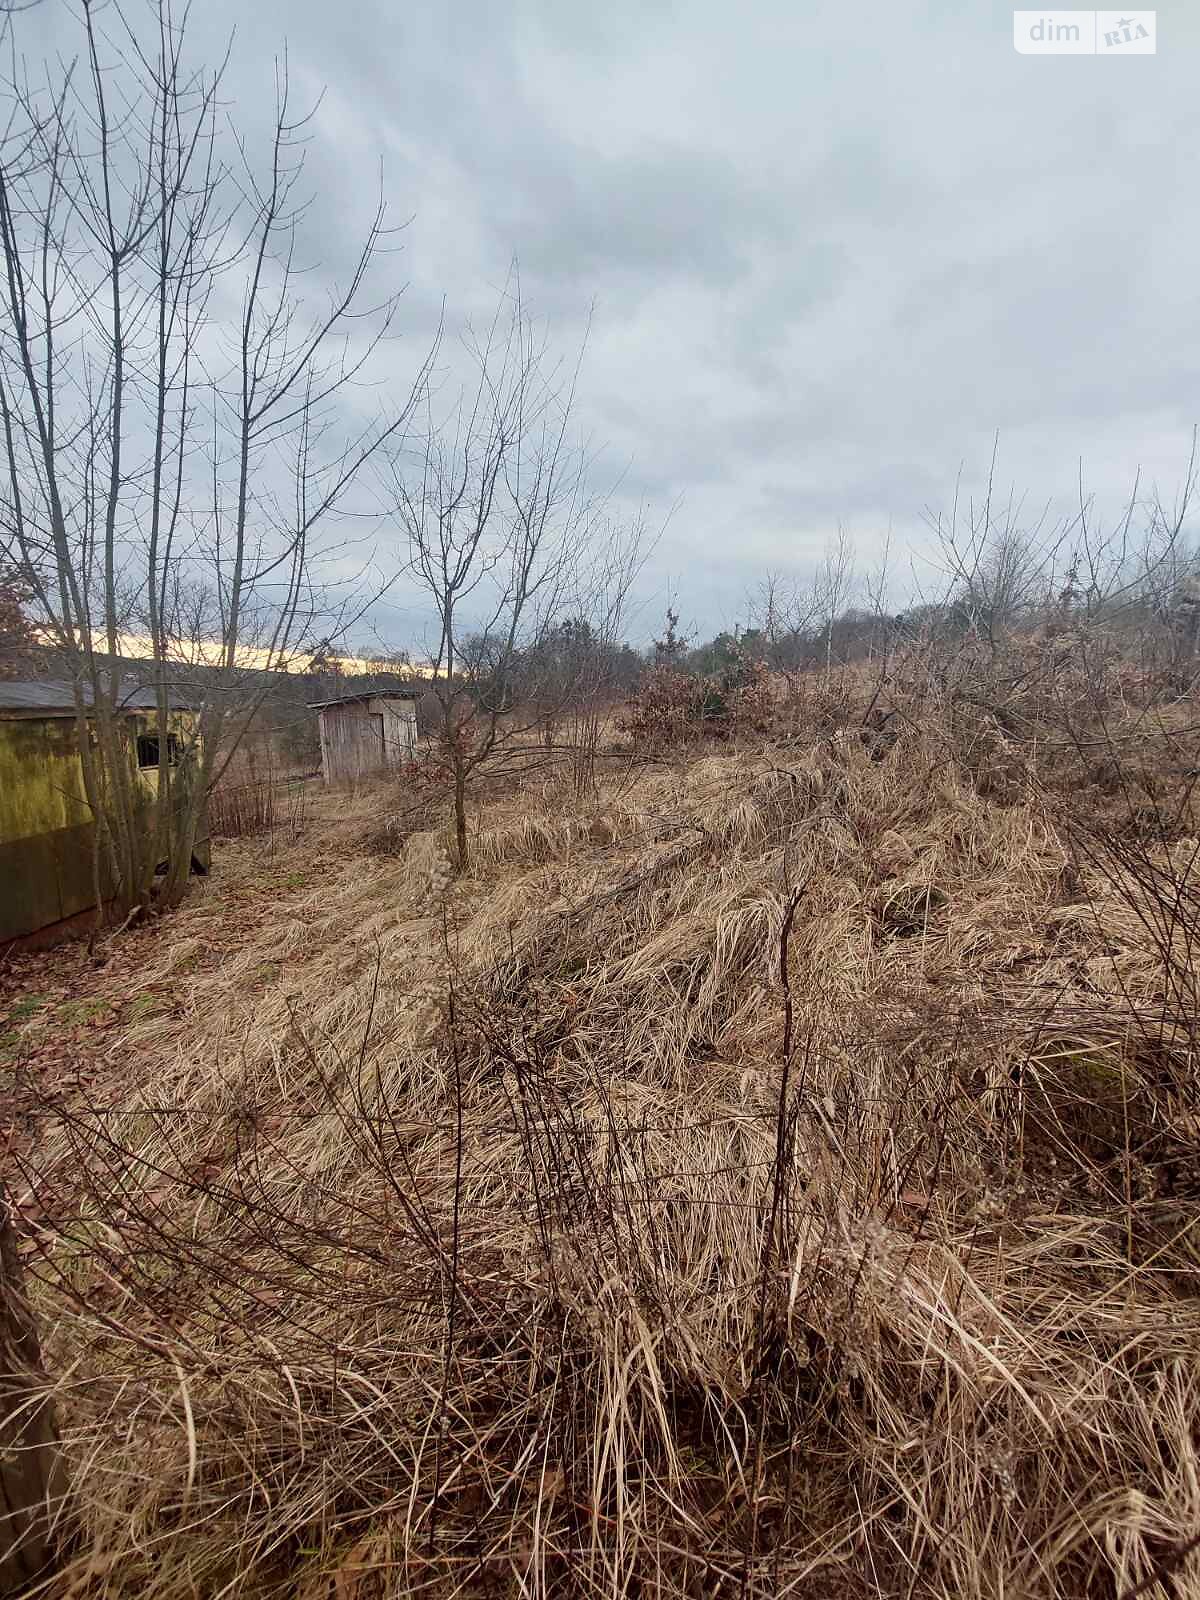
x: 673, y: 706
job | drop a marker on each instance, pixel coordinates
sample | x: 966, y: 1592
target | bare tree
x: 590, y: 677
x: 32, y: 1475
x: 834, y: 584
x: 171, y: 395
x: 1005, y: 567
x: 500, y: 525
x: 999, y: 563
x: 794, y: 616
x: 785, y: 613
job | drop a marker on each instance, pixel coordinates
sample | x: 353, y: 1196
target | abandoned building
x: 368, y: 731
x: 48, y: 863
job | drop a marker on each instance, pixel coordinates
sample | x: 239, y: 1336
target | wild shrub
x: 674, y: 708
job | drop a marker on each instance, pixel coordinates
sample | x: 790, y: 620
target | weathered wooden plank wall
x: 360, y: 737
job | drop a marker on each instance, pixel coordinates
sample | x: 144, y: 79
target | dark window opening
x: 147, y: 750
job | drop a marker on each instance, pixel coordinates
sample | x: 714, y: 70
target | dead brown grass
x: 453, y: 1238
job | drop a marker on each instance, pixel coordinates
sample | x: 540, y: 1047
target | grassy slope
x: 445, y: 1239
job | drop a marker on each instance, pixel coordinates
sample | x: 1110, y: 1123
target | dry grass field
x: 774, y: 1175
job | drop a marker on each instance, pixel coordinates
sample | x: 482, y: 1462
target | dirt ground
x: 65, y: 1011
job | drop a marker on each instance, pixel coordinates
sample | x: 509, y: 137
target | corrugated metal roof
x: 390, y: 691
x: 56, y: 697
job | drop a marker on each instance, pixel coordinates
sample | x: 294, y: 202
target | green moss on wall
x: 41, y: 778
x: 46, y: 830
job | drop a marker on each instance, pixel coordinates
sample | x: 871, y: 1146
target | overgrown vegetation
x: 773, y: 1173
x: 254, y: 798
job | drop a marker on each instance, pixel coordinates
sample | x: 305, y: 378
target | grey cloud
x: 832, y: 249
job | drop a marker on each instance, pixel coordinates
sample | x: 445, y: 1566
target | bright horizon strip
x: 210, y: 652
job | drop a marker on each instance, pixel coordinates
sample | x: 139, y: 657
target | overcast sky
x: 833, y: 249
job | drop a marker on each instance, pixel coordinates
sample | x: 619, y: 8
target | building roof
x: 56, y: 697
x: 382, y: 691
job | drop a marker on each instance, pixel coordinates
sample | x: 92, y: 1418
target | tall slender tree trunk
x: 32, y: 1478
x: 460, y: 817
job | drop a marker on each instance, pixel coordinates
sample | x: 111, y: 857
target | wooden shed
x: 369, y: 731
x: 47, y: 835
